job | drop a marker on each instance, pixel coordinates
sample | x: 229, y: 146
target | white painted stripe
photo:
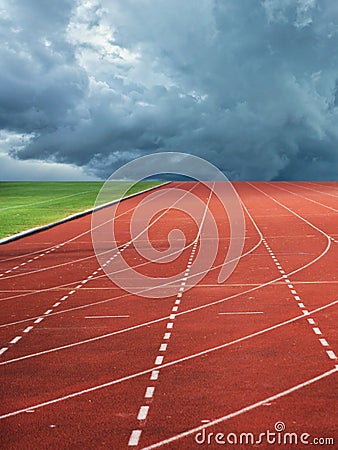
x: 149, y: 392
x: 290, y: 286
x: 64, y: 298
x: 23, y: 264
x: 134, y: 438
x: 293, y: 292
x: 143, y: 412
x: 56, y: 304
x: 166, y: 335
x: 159, y: 360
x: 40, y: 319
x: 301, y: 305
x: 15, y: 340
x: 311, y: 321
x: 177, y: 302
x: 71, y: 292
x: 28, y: 329
x: 154, y: 375
x: 163, y: 347
x: 175, y: 309
x: 305, y: 312
x: 317, y: 330
x: 84, y: 281
x: 48, y: 312
x: 179, y: 295
x: 331, y: 354
x: 297, y: 298
x: 90, y: 277
x: 286, y: 279
x: 16, y: 267
x: 324, y: 342
x: 3, y: 350
x: 181, y: 289
x: 169, y: 325
x: 8, y: 271
x: 79, y: 286
x: 282, y: 271
x: 172, y: 317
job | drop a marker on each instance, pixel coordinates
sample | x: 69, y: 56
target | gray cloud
x: 250, y: 85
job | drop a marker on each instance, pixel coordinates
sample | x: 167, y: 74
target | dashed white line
x: 159, y: 360
x: 331, y: 354
x: 317, y: 330
x: 134, y: 438
x: 28, y: 329
x: 154, y: 375
x: 15, y: 340
x: 40, y: 319
x: 163, y: 347
x: 149, y: 392
x: 3, y: 350
x: 143, y: 412
x: 324, y: 342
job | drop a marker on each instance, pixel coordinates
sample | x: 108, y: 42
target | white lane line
x: 159, y: 360
x: 143, y: 412
x: 64, y: 298
x: 166, y: 335
x: 71, y: 292
x: 311, y: 321
x: 174, y: 308
x: 169, y: 364
x: 134, y: 438
x: 15, y: 340
x: 79, y: 286
x: 297, y: 298
x: 293, y: 292
x: 324, y: 342
x: 317, y: 330
x: 56, y: 304
x: 154, y: 375
x: 149, y: 392
x: 177, y: 302
x: 163, y: 347
x: 241, y: 312
x: 290, y: 286
x: 170, y: 325
x: 3, y: 350
x: 48, y: 312
x: 172, y: 316
x: 248, y: 408
x: 331, y: 354
x: 28, y: 329
x: 40, y: 319
x: 301, y: 305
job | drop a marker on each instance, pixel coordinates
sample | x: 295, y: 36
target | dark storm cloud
x: 250, y: 85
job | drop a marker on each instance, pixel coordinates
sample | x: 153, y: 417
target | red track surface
x: 245, y: 354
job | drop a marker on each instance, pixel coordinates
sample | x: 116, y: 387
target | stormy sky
x: 250, y: 85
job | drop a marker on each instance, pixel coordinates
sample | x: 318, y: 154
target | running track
x: 85, y: 364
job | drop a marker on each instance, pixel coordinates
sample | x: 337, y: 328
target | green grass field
x: 25, y: 205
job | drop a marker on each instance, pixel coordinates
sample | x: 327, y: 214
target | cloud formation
x: 250, y: 85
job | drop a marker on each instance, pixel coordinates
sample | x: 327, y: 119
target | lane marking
x: 149, y: 392
x: 15, y: 340
x: 331, y: 354
x: 159, y: 360
x: 317, y: 330
x: 154, y: 375
x: 28, y: 329
x: 324, y: 342
x: 143, y: 412
x: 40, y: 319
x: 134, y: 438
x: 3, y: 350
